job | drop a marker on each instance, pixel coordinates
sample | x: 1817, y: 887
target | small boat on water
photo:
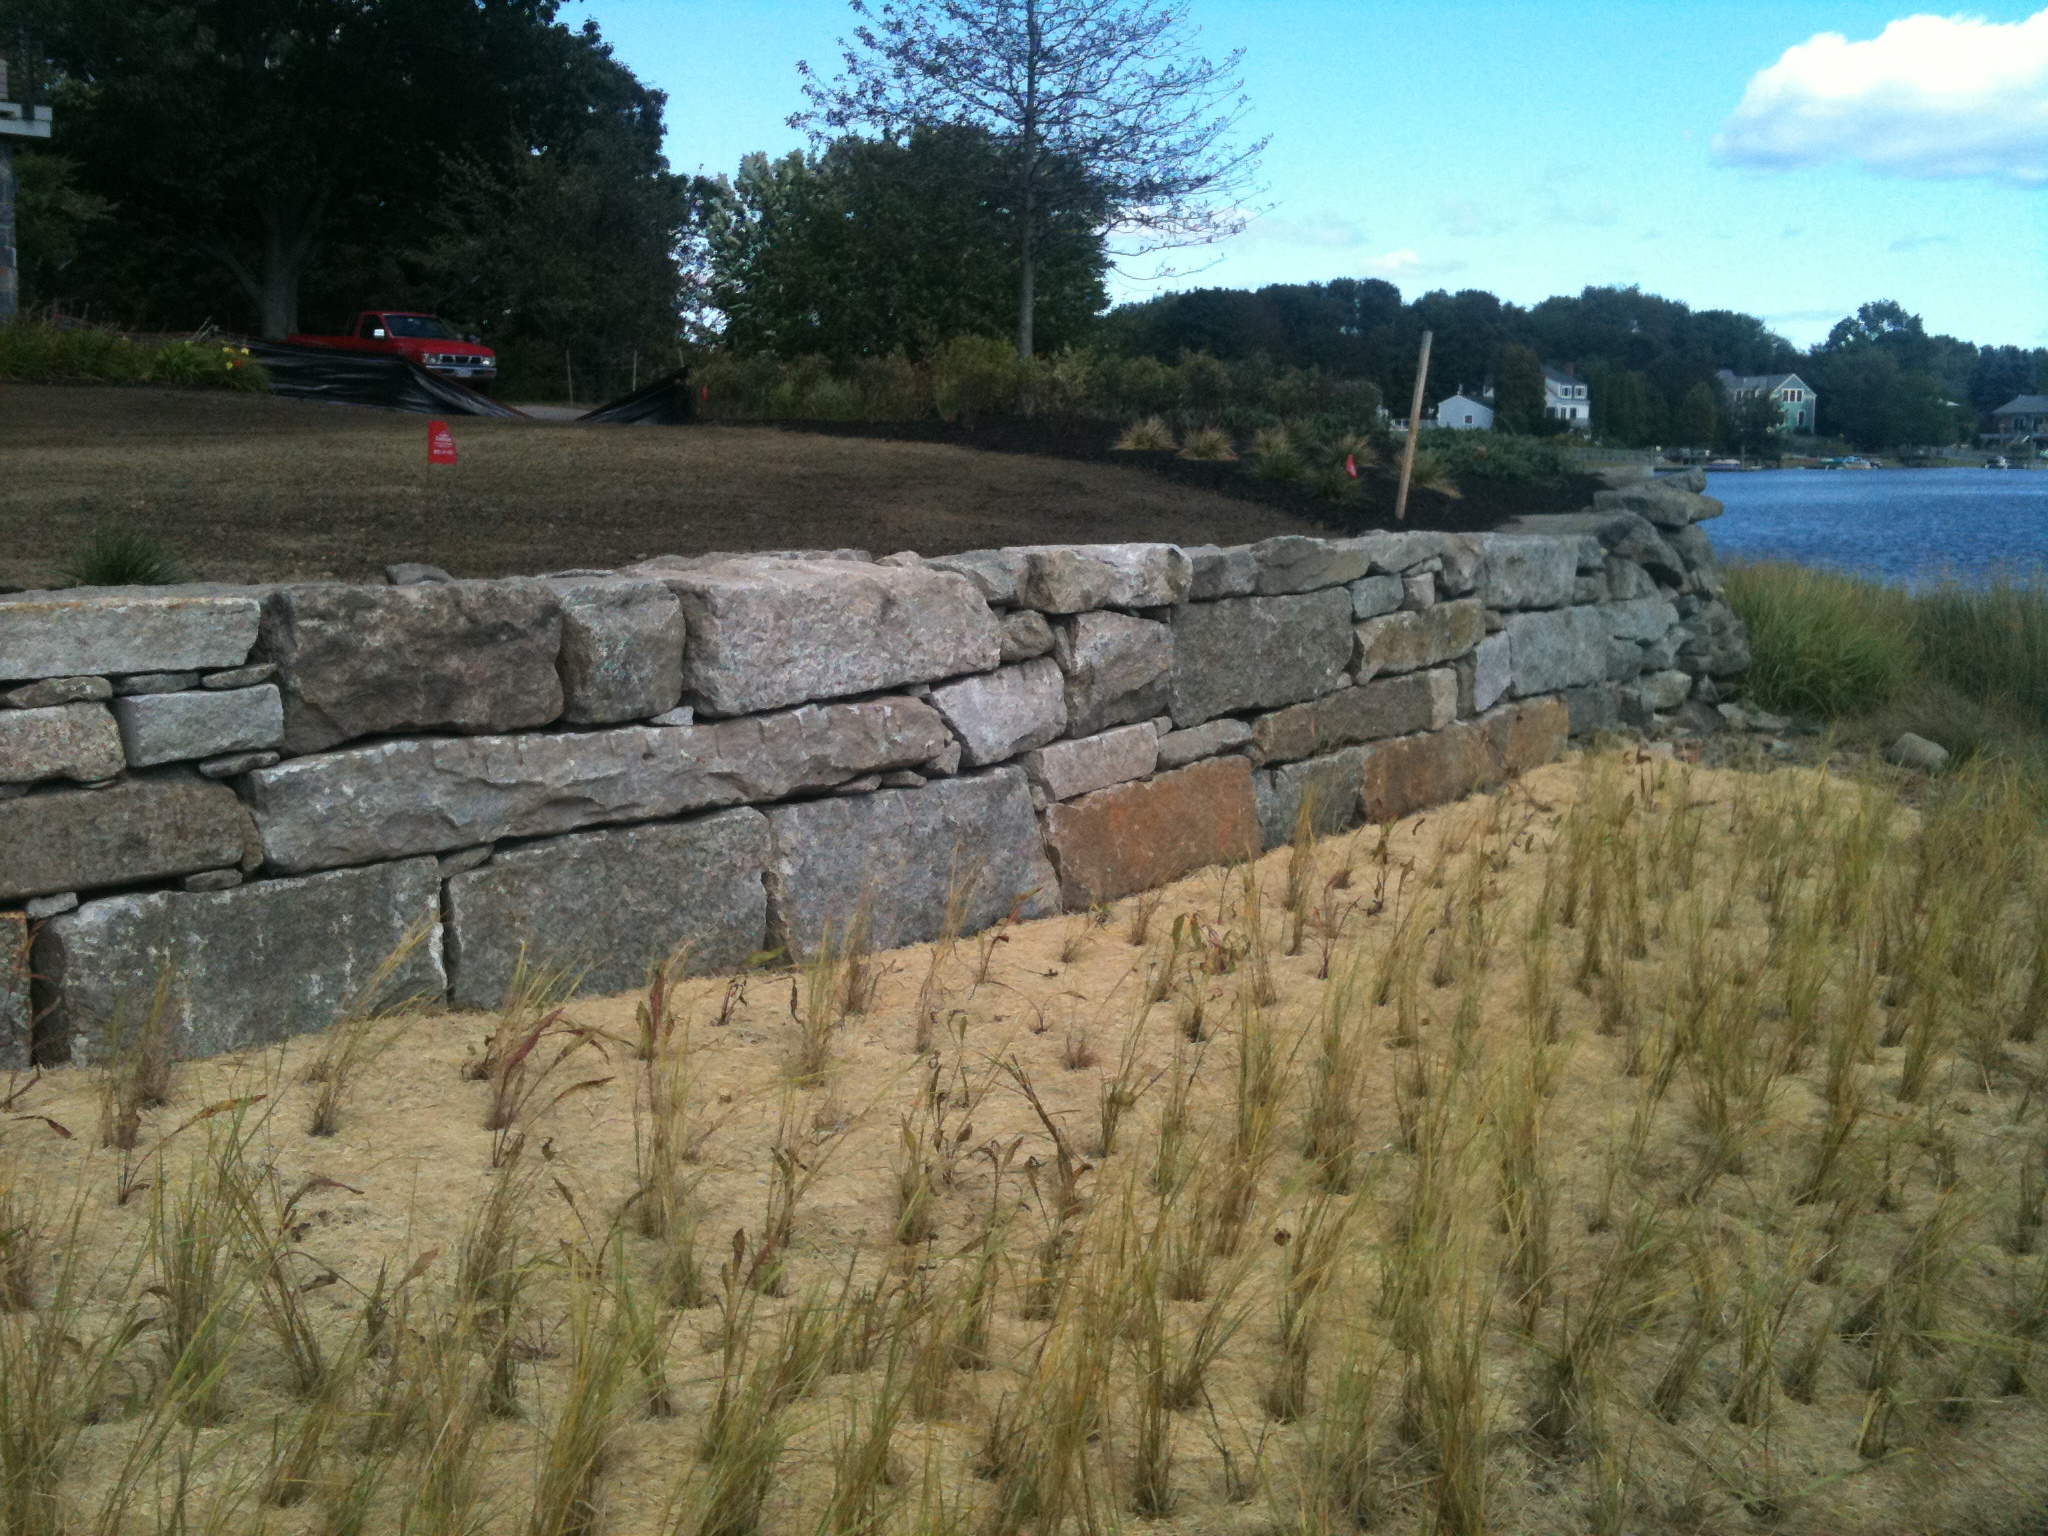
x: 1998, y: 461
x: 1849, y: 461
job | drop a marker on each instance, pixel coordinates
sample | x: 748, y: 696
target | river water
x: 1913, y: 526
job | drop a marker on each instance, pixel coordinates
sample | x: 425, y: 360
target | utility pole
x: 16, y: 122
x: 1414, y: 431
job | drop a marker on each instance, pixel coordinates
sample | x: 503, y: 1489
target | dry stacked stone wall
x: 249, y: 797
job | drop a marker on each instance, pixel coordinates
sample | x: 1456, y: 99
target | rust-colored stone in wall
x: 1132, y: 837
x: 1413, y: 772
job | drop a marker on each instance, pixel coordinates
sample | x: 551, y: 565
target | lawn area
x: 248, y: 487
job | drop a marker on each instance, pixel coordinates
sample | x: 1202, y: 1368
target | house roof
x: 1561, y: 375
x: 2023, y: 405
x: 1485, y: 399
x: 1771, y: 382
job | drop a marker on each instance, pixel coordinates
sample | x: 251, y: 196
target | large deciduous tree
x: 1113, y: 91
x: 875, y: 246
x: 249, y: 130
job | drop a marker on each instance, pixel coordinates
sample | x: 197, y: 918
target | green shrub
x: 975, y: 376
x: 37, y: 352
x: 1497, y: 456
x: 1821, y: 643
x: 121, y: 556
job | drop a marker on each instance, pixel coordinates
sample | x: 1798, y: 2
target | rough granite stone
x: 999, y: 714
x: 1640, y: 618
x: 1257, y: 652
x: 1418, y: 591
x: 1231, y: 572
x: 179, y: 727
x: 1492, y: 674
x: 1328, y: 785
x: 994, y: 572
x: 1412, y: 639
x: 137, y: 830
x: 1564, y: 648
x: 1084, y: 763
x: 1026, y: 635
x: 622, y: 650
x: 1594, y: 708
x: 156, y: 682
x: 52, y: 691
x: 1627, y: 581
x: 1412, y: 773
x: 769, y: 633
x: 1624, y: 660
x: 1292, y: 563
x: 235, y: 677
x: 1527, y: 571
x: 100, y: 631
x: 406, y: 797
x: 468, y: 656
x: 246, y: 966
x: 1590, y: 589
x: 236, y: 764
x: 1072, y: 578
x: 49, y: 906
x: 65, y: 741
x: 611, y: 904
x: 212, y: 880
x: 413, y: 573
x: 1414, y: 701
x: 903, y: 853
x: 1663, y: 691
x: 1118, y: 669
x: 1372, y: 596
x: 1179, y: 748
x: 1659, y: 502
x: 17, y: 1013
x: 1133, y: 837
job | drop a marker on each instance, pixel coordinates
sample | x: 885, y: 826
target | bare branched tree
x: 1112, y: 91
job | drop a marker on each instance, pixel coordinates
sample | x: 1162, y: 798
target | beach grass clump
x: 1822, y: 643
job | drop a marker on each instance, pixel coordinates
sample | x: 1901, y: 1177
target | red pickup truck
x: 425, y: 339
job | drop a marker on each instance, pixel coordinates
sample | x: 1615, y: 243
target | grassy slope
x: 245, y: 488
x: 1662, y: 1153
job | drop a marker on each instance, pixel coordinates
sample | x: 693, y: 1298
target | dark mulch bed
x: 1483, y: 504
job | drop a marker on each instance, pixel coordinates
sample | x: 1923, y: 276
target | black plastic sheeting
x: 368, y: 378
x: 667, y: 402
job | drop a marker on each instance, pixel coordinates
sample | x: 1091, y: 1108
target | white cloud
x: 1916, y: 242
x: 1407, y: 263
x: 1930, y: 97
x: 1469, y: 220
x: 1323, y: 234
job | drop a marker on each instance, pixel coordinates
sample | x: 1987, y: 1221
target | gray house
x: 1793, y: 396
x: 2021, y: 420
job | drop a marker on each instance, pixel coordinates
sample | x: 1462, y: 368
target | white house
x: 1466, y: 413
x: 1564, y: 398
x: 1793, y: 396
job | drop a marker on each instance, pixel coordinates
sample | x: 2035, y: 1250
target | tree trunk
x: 291, y: 225
x: 1027, y: 280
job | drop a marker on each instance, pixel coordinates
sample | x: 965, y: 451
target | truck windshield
x: 425, y: 327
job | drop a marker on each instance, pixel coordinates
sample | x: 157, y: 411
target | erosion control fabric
x: 361, y: 378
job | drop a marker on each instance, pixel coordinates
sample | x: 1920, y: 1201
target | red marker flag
x: 440, y: 443
x: 1351, y: 465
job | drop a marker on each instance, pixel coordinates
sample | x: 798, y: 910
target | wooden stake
x: 1414, y: 431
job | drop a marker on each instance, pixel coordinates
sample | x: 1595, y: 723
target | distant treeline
x: 274, y: 166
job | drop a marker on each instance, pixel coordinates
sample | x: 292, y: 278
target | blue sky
x: 1723, y: 152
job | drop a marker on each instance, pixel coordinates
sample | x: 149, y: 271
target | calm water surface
x: 1907, y: 525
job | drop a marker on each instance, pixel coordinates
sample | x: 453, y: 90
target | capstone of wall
x: 253, y: 796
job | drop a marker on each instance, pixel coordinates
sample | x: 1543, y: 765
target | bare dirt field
x: 254, y: 488
x: 1641, y: 1149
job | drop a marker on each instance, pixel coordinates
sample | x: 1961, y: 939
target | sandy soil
x: 255, y: 488
x: 1062, y: 999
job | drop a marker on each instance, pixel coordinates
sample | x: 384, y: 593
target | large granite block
x: 468, y: 656
x: 1641, y: 619
x: 17, y: 1014
x: 1072, y: 578
x: 1527, y: 571
x: 611, y: 903
x: 1658, y: 502
x: 1485, y: 676
x: 904, y: 853
x: 1417, y: 638
x: 99, y: 632
x: 405, y: 797
x: 64, y: 741
x: 1562, y: 648
x: 1137, y: 836
x: 1257, y: 652
x: 1328, y: 785
x: 1412, y: 773
x: 125, y: 834
x: 1075, y: 767
x: 246, y: 966
x: 769, y: 633
x: 1291, y: 562
x: 1231, y: 572
x: 622, y: 650
x: 1118, y: 669
x: 1413, y: 701
x: 179, y: 727
x: 999, y: 714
